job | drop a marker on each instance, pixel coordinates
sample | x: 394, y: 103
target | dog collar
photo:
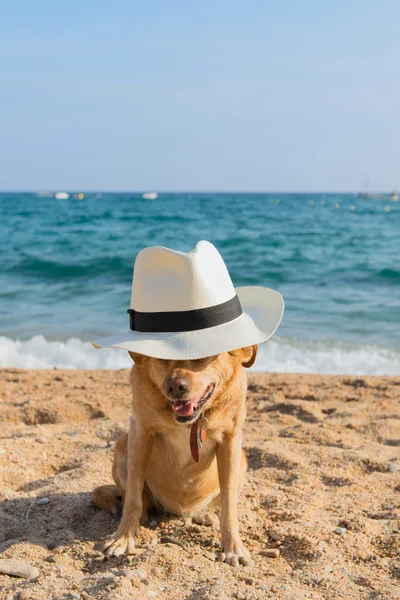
x: 198, y: 435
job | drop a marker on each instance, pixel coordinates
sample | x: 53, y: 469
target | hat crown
x: 165, y: 280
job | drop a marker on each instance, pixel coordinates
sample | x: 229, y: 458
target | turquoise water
x: 66, y: 269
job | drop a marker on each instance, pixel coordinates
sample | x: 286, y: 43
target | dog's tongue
x: 184, y: 409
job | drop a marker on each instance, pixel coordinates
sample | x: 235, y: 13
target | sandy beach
x: 323, y: 489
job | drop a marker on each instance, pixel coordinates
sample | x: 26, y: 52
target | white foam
x: 39, y: 353
x: 290, y: 356
x: 294, y: 356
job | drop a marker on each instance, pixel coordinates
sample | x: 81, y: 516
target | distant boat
x: 79, y: 196
x: 378, y: 196
x: 150, y: 196
x: 61, y: 196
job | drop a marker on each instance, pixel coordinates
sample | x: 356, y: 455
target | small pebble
x: 346, y: 572
x: 87, y: 596
x: 43, y: 501
x: 153, y: 524
x: 328, y: 569
x: 128, y: 573
x: 152, y: 594
x: 393, y: 467
x: 274, y: 535
x: 107, y: 577
x: 209, y: 555
x: 270, y: 552
x: 24, y: 595
x: 340, y: 530
x: 140, y: 573
x: 41, y: 440
x: 18, y: 568
x: 50, y: 559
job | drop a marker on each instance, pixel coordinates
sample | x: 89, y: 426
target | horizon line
x: 146, y: 191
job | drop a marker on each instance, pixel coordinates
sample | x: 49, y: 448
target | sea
x: 66, y: 272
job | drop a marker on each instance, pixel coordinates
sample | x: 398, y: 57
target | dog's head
x: 192, y: 386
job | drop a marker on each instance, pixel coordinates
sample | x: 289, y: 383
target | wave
x: 336, y: 358
x: 53, y: 269
x: 278, y: 355
x: 389, y: 274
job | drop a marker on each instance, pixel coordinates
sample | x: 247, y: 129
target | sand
x: 323, y: 489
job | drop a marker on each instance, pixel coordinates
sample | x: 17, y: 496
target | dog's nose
x: 177, y: 386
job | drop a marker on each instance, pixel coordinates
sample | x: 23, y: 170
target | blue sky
x: 213, y: 95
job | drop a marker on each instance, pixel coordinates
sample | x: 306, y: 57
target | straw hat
x: 184, y: 306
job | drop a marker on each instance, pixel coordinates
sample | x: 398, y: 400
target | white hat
x: 184, y: 306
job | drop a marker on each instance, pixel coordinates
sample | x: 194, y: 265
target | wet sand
x: 323, y: 488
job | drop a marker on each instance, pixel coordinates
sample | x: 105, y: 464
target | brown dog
x: 154, y: 465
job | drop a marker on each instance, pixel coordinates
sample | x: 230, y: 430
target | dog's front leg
x: 139, y: 447
x: 228, y: 460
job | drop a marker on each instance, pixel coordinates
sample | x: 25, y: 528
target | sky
x: 217, y: 95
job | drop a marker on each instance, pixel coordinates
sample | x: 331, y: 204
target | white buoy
x: 150, y: 196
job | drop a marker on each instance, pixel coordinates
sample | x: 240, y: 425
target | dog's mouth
x: 187, y: 410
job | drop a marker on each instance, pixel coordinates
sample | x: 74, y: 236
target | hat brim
x: 262, y: 312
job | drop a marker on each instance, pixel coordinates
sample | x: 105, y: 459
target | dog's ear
x: 247, y: 355
x: 137, y: 358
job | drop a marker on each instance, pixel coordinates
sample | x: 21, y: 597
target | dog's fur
x: 153, y: 466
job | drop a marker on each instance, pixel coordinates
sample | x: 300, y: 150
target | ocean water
x: 66, y: 270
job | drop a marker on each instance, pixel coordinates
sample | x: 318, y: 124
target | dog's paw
x: 209, y: 519
x: 119, y: 545
x: 236, y: 555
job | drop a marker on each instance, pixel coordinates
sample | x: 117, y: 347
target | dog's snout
x: 177, y: 386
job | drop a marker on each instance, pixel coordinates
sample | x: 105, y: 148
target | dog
x: 154, y: 464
